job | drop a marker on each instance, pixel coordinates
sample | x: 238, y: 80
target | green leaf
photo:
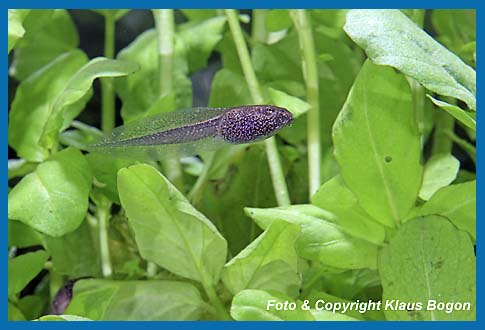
x: 277, y: 20
x: 15, y: 29
x: 14, y: 314
x: 252, y: 305
x: 229, y: 191
x: 105, y: 170
x: 335, y: 197
x: 321, y: 239
x: 81, y: 136
x: 229, y: 89
x: 197, y: 40
x: 140, y: 91
x: 377, y: 144
x: 336, y: 76
x: 64, y: 317
x: 61, y: 115
x: 33, y: 306
x: 281, y: 99
x: 21, y: 235
x: 269, y: 263
x: 467, y: 118
x: 428, y: 260
x: 54, y: 198
x: 31, y: 107
x: 456, y: 202
x: 49, y: 34
x: 390, y: 38
x: 199, y: 14
x: 315, y: 296
x: 455, y: 27
x: 19, y: 167
x: 168, y: 230
x: 22, y: 269
x: 136, y: 300
x: 74, y: 254
x: 362, y: 284
x: 440, y: 170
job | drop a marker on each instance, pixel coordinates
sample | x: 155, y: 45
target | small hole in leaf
x: 388, y: 159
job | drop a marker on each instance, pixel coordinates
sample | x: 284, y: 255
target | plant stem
x: 276, y: 169
x: 107, y: 90
x: 465, y: 145
x: 107, y: 124
x: 310, y: 72
x: 151, y: 269
x: 259, y: 27
x: 442, y: 142
x: 103, y: 214
x: 56, y: 281
x: 194, y: 194
x: 214, y: 298
x: 165, y: 25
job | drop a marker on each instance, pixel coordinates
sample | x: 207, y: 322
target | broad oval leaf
x: 15, y: 28
x: 321, y: 239
x: 61, y: 113
x: 428, y: 260
x: 49, y: 33
x: 20, y: 235
x: 335, y: 197
x: 467, y: 118
x: 440, y: 170
x: 136, y: 300
x: 295, y: 105
x: 74, y: 254
x: 14, y: 313
x: 377, y: 144
x: 22, y: 269
x: 269, y: 263
x: 456, y: 202
x: 54, y: 198
x: 31, y: 107
x: 390, y: 38
x: 168, y: 229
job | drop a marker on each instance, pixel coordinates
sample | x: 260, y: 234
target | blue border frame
x: 142, y: 4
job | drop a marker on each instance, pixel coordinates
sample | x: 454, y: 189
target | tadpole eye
x: 268, y: 111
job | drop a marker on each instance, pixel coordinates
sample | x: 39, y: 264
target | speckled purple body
x: 236, y: 125
x: 253, y: 123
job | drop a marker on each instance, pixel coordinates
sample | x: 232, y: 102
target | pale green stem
x: 276, y: 169
x: 103, y: 215
x: 56, y: 281
x: 310, y: 71
x: 107, y: 124
x: 465, y: 145
x: 258, y: 28
x: 214, y: 298
x: 442, y: 142
x: 107, y: 90
x: 151, y: 269
x: 165, y: 25
x: 195, y: 193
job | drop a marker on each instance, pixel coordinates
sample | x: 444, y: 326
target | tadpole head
x: 253, y: 123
